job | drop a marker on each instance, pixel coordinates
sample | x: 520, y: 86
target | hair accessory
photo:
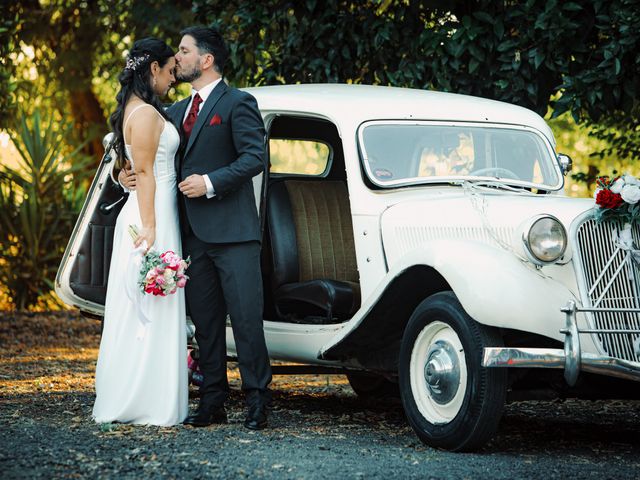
x: 135, y: 62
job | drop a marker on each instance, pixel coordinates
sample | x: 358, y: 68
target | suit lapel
x: 213, y: 98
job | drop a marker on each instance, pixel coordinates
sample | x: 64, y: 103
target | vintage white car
x: 421, y: 239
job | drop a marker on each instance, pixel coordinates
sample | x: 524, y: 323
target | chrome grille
x: 612, y: 280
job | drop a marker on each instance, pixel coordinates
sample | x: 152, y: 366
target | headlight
x: 545, y: 240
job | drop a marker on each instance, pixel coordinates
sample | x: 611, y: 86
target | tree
x: 9, y: 25
x: 78, y: 52
x: 516, y: 51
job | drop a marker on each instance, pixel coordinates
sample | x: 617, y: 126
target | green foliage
x: 63, y: 57
x: 39, y: 200
x: 9, y: 26
x: 78, y: 52
x: 519, y: 52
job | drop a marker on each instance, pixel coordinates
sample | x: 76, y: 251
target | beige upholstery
x: 324, y: 231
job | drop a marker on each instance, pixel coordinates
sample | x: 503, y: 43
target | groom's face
x: 188, y: 58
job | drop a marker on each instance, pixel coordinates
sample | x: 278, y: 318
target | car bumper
x: 570, y: 358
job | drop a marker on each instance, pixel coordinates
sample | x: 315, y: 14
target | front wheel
x: 450, y: 400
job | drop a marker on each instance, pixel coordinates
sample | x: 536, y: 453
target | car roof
x: 359, y: 103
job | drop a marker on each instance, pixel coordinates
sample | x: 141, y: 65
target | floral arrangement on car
x: 618, y: 199
x: 161, y: 273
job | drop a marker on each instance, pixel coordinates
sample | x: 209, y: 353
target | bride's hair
x: 135, y: 79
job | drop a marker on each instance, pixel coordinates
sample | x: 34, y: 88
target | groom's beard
x: 189, y: 75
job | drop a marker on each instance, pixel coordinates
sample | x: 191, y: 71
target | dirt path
x: 318, y: 429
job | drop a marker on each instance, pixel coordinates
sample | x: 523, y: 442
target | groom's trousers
x: 226, y: 278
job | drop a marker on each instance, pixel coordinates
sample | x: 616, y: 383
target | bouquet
x: 618, y: 199
x: 161, y: 273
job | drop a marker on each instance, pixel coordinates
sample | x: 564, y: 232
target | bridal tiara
x: 135, y: 62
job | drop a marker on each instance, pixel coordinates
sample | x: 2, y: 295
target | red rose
x: 607, y: 199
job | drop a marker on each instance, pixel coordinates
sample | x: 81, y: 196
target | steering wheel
x: 497, y: 171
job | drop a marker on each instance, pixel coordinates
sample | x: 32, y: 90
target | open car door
x: 82, y: 276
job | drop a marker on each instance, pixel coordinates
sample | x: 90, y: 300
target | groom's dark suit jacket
x: 227, y: 144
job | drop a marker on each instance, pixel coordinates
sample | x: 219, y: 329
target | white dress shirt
x: 204, y: 94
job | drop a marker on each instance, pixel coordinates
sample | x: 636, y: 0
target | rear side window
x: 299, y: 157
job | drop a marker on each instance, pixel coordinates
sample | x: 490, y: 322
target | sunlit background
x: 59, y: 62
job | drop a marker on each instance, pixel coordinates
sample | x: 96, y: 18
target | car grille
x: 612, y: 280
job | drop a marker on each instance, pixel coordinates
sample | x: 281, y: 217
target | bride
x: 141, y: 374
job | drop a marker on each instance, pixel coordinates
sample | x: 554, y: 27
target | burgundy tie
x: 190, y: 121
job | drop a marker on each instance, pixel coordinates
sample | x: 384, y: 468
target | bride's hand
x: 148, y: 235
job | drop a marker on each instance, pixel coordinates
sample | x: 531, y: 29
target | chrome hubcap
x: 442, y: 372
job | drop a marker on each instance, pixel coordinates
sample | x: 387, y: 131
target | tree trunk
x: 89, y: 120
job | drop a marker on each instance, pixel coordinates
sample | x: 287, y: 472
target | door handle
x: 106, y: 208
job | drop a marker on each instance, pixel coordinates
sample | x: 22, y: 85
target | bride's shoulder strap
x: 134, y: 110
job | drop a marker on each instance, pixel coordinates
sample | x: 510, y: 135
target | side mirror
x: 107, y: 139
x: 566, y: 164
x: 107, y: 143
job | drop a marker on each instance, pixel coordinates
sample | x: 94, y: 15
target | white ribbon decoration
x: 138, y: 298
x: 624, y: 241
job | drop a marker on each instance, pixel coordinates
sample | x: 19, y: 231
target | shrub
x: 39, y: 202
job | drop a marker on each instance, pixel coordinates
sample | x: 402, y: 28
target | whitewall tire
x: 450, y: 400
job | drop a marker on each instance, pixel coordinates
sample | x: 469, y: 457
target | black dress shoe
x: 206, y: 416
x: 256, y: 417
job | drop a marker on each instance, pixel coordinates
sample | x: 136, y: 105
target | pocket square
x: 215, y: 120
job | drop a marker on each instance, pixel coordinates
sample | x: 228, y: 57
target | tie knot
x: 197, y: 100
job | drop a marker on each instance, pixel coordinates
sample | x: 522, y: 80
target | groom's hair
x: 209, y: 40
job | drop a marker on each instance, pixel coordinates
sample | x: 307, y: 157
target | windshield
x: 403, y: 153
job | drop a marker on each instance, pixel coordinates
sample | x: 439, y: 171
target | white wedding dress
x: 141, y: 374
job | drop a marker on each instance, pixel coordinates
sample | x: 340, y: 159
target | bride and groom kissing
x: 190, y: 170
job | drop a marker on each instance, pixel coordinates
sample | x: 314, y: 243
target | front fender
x: 494, y: 287
x: 498, y: 289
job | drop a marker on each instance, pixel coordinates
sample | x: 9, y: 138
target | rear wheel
x: 450, y: 400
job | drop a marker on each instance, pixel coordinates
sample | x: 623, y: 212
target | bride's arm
x: 146, y: 127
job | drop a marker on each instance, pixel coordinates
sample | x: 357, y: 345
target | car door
x: 82, y: 276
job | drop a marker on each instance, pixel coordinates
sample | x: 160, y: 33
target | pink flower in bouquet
x: 151, y: 276
x: 171, y: 259
x: 183, y: 267
x: 161, y: 273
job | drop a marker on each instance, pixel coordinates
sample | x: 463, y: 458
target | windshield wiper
x: 494, y: 184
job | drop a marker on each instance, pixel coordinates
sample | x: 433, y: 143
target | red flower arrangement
x: 617, y: 199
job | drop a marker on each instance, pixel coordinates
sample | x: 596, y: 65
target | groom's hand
x: 127, y: 177
x: 193, y: 186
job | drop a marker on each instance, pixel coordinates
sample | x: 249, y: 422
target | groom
x: 223, y: 148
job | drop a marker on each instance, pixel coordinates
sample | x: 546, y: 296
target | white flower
x: 618, y: 185
x: 631, y: 194
x: 631, y: 180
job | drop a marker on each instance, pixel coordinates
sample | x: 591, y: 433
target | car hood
x: 472, y: 215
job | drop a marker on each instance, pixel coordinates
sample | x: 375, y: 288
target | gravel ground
x: 318, y: 428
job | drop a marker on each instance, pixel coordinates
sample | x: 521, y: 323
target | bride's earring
x: 155, y: 82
